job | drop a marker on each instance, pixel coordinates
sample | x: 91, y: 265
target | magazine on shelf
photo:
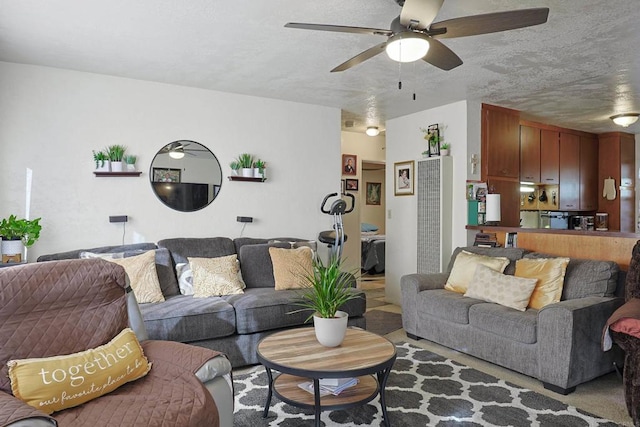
x: 328, y: 386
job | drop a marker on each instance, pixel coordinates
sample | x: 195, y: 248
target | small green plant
x: 130, y: 159
x: 116, y: 152
x: 234, y: 165
x: 245, y: 160
x: 432, y: 137
x: 259, y: 164
x: 445, y: 145
x: 26, y: 230
x: 100, y: 157
x: 326, y: 288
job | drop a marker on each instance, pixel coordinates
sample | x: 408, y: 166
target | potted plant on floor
x: 16, y: 235
x: 116, y: 154
x: 102, y: 161
x: 327, y: 288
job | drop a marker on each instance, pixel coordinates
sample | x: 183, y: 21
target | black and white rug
x: 424, y: 389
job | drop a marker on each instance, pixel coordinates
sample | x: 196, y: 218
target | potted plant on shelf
x: 246, y: 164
x: 444, y: 148
x: 235, y: 168
x: 258, y: 169
x: 102, y: 161
x: 130, y: 160
x: 327, y: 288
x: 16, y: 235
x: 116, y: 154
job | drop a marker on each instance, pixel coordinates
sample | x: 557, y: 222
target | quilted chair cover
x: 62, y: 307
x: 628, y: 343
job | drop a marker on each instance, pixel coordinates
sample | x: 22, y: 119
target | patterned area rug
x: 424, y: 389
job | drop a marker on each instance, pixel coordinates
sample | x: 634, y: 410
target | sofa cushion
x: 505, y: 322
x: 506, y: 290
x: 186, y: 319
x: 586, y: 278
x: 216, y: 276
x: 102, y: 249
x: 550, y: 274
x: 446, y: 305
x: 464, y: 268
x: 263, y: 309
x: 206, y: 247
x: 512, y: 254
x: 256, y: 266
x: 239, y: 242
x: 291, y: 267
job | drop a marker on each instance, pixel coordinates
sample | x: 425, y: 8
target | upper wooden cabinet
x: 529, y: 154
x: 569, y: 197
x: 588, y: 173
x: 549, y: 157
x: 500, y: 142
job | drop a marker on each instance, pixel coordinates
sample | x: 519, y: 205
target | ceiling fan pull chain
x: 399, y: 75
x: 414, y: 80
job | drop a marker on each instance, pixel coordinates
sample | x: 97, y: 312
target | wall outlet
x: 244, y: 219
x: 119, y: 218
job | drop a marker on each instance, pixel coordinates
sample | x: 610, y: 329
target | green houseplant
x: 444, y: 148
x: 246, y: 164
x: 235, y: 167
x: 102, y: 160
x: 326, y: 289
x: 17, y: 234
x: 116, y: 154
x: 130, y: 160
x: 258, y: 168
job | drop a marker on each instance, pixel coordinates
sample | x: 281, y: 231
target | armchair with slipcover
x: 66, y: 307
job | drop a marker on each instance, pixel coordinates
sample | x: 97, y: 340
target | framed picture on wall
x: 403, y: 178
x: 349, y: 164
x: 166, y: 175
x: 374, y: 190
x: 352, y: 184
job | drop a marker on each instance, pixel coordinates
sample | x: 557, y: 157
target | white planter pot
x: 235, y: 172
x: 116, y: 166
x: 331, y: 332
x: 12, y: 247
x: 106, y: 167
x: 247, y: 172
x: 444, y: 151
x: 131, y: 167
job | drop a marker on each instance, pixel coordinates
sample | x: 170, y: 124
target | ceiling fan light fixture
x: 373, y: 131
x: 177, y: 153
x: 407, y: 46
x: 626, y: 119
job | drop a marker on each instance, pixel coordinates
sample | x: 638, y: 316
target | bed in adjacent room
x: 373, y: 247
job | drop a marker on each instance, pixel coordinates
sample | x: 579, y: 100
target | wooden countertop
x: 495, y: 228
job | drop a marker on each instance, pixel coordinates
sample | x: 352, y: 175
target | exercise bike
x: 336, y: 238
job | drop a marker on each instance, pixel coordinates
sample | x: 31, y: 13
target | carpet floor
x: 424, y: 389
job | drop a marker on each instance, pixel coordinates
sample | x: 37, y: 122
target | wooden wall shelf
x: 245, y: 178
x: 100, y: 174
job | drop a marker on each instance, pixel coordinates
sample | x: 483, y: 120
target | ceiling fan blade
x: 441, y: 56
x: 361, y: 57
x: 339, y: 28
x: 489, y: 23
x: 421, y: 11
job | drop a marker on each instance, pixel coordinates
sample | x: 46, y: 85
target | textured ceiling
x: 576, y: 70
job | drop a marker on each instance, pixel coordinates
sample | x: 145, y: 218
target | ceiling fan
x: 178, y: 149
x: 413, y: 35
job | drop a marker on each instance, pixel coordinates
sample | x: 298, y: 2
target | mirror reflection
x: 185, y: 175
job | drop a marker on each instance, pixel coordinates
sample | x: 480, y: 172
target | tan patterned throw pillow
x: 291, y: 266
x: 216, y: 276
x: 464, y: 268
x: 491, y: 286
x: 550, y: 274
x: 143, y: 276
x: 55, y: 383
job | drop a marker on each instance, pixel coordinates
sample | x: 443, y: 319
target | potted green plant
x: 102, y: 161
x: 444, y: 148
x: 246, y: 164
x: 116, y: 154
x: 433, y: 139
x: 235, y: 168
x: 17, y: 234
x: 258, y: 169
x: 130, y: 160
x: 327, y: 288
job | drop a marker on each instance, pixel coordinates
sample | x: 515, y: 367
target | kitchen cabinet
x: 549, y: 157
x: 529, y: 154
x: 500, y: 142
x: 569, y: 197
x: 588, y: 173
x: 616, y: 160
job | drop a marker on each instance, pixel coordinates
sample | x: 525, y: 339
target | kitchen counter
x: 497, y: 228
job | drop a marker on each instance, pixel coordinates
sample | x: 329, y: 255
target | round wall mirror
x: 185, y: 175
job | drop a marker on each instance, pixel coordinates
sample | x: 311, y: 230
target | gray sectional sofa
x: 558, y: 344
x: 232, y: 324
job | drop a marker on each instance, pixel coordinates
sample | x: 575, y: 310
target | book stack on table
x: 328, y: 386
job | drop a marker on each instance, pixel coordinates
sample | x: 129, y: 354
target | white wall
x: 52, y: 119
x: 460, y: 124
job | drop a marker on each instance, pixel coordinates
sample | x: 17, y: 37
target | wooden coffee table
x: 299, y: 358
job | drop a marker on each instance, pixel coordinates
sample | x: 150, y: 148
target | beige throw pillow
x: 464, y: 268
x: 550, y: 274
x: 491, y: 286
x: 216, y: 276
x: 55, y: 383
x: 291, y: 266
x: 143, y: 276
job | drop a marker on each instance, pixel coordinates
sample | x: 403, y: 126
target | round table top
x: 297, y: 351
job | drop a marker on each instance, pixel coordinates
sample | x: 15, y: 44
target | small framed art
x: 349, y: 164
x: 166, y: 175
x: 403, y: 174
x: 374, y: 190
x: 352, y: 184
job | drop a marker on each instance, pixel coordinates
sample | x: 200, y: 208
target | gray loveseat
x: 558, y: 344
x: 232, y: 324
